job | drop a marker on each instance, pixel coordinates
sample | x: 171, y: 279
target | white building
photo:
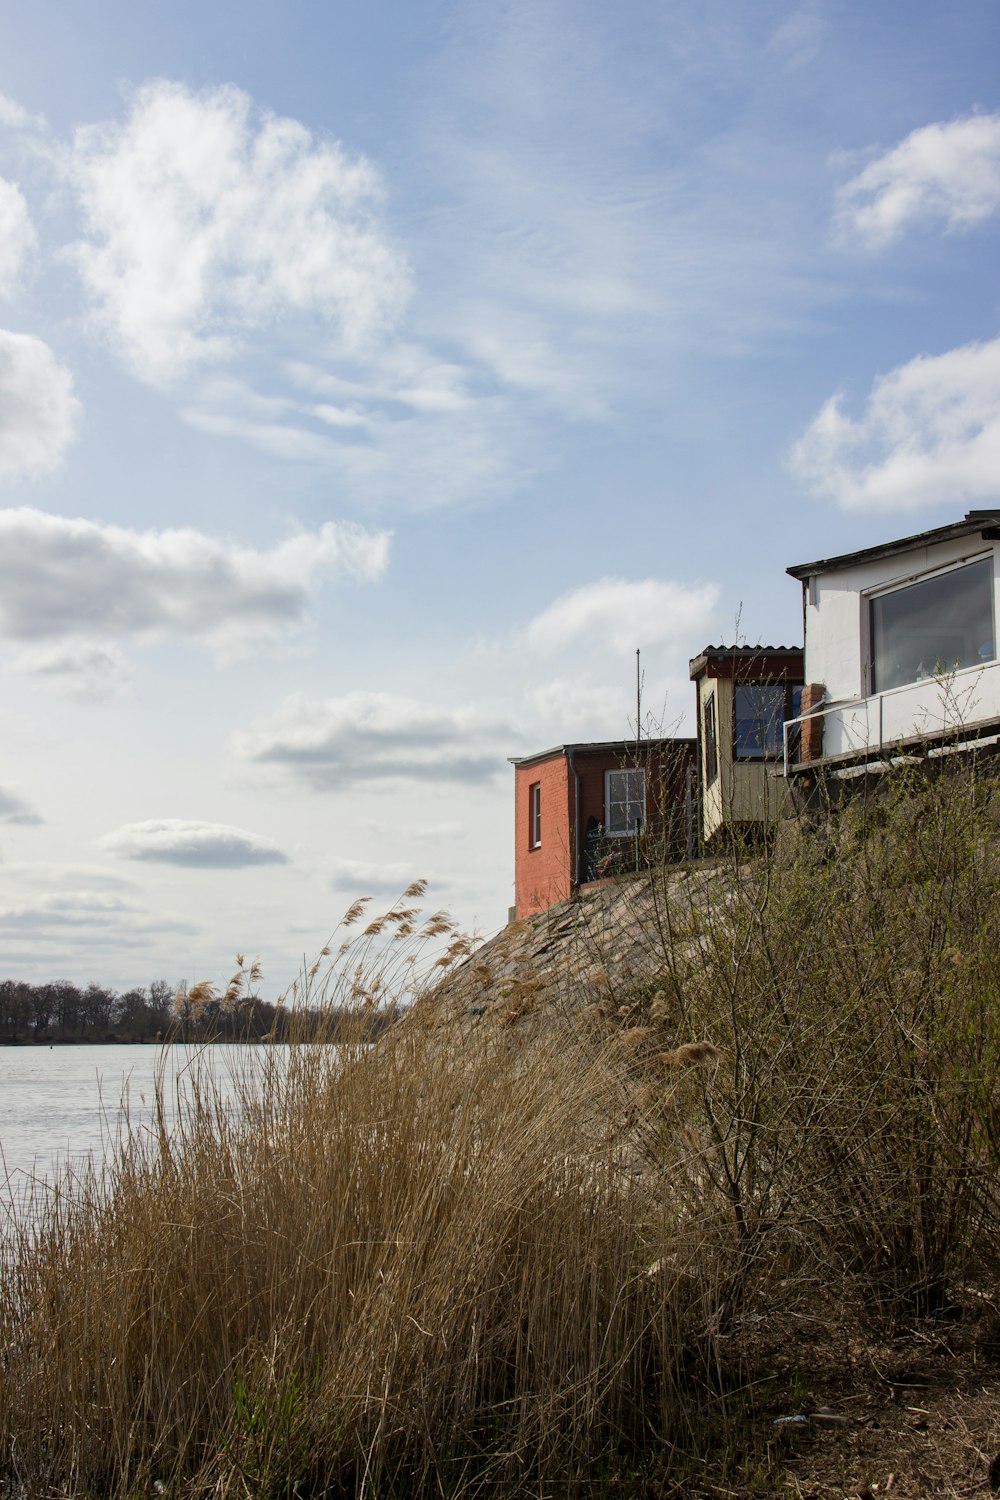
x: 900, y: 650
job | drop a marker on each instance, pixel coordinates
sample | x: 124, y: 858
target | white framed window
x: 932, y: 625
x: 624, y: 802
x: 535, y: 815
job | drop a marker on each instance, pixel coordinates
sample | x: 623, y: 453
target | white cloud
x: 91, y: 919
x: 17, y: 236
x: 572, y: 708
x: 39, y: 415
x: 409, y: 431
x: 15, y: 117
x: 206, y: 219
x: 929, y: 434
x: 948, y: 173
x: 360, y: 877
x: 70, y: 916
x: 799, y: 38
x: 80, y: 669
x: 196, y: 845
x: 622, y: 614
x: 14, y: 808
x: 68, y: 578
x: 405, y: 430
x: 375, y: 737
x: 47, y: 875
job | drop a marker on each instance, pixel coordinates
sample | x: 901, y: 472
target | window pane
x: 933, y: 626
x: 711, y: 743
x: 760, y: 713
x: 625, y: 794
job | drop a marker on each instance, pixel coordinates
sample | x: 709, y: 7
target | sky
x: 375, y: 380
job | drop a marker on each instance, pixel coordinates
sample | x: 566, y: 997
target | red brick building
x: 585, y: 812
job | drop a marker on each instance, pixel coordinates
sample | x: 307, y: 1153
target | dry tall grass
x: 390, y: 1270
x: 478, y: 1257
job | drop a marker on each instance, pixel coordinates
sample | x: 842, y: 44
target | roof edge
x: 975, y: 520
x: 620, y: 747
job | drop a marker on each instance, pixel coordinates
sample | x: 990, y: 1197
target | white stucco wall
x: 837, y: 654
x: 836, y: 618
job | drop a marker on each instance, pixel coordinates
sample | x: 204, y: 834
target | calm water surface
x: 60, y: 1106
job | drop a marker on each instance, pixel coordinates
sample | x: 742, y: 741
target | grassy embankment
x: 467, y: 1261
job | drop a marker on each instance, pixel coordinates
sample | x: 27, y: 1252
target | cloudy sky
x: 374, y: 379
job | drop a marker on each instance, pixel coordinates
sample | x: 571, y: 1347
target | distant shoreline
x: 139, y: 1041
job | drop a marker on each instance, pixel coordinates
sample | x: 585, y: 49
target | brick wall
x: 812, y: 729
x: 549, y: 873
x: 543, y: 875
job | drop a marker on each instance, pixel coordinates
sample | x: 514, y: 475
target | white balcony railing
x: 928, y: 709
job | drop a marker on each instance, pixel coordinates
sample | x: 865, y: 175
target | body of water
x: 61, y: 1106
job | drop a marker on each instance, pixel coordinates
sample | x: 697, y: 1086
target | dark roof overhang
x: 603, y: 747
x: 728, y: 661
x: 985, y: 522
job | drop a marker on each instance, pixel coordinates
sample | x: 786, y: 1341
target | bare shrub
x: 848, y: 980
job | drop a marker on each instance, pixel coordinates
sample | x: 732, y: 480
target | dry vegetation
x: 596, y: 1256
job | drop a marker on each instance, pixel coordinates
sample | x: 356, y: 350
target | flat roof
x: 986, y: 521
x: 604, y: 747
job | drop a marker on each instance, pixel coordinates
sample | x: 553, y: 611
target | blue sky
x: 374, y: 380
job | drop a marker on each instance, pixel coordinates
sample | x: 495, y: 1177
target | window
x: 534, y: 815
x: 711, y: 742
x: 624, y: 802
x: 932, y: 626
x: 759, y: 710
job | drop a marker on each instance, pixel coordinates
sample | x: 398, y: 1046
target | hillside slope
x: 604, y: 949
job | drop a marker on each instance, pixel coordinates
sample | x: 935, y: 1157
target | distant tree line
x: 62, y: 1012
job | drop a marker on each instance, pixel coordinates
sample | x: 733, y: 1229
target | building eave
x: 737, y: 655
x: 987, y: 522
x: 600, y: 747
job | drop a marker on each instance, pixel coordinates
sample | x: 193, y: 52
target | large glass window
x: 933, y: 626
x: 624, y: 802
x: 760, y: 717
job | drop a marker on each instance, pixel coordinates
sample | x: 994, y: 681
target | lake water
x: 60, y: 1106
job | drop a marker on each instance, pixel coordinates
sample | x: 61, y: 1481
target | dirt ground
x: 912, y: 1415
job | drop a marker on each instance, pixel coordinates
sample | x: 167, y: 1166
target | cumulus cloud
x: 364, y: 738
x: 17, y: 236
x: 39, y: 415
x: 62, y: 578
x: 929, y: 433
x: 623, y: 614
x: 196, y: 845
x: 14, y: 809
x: 206, y: 218
x: 948, y: 173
